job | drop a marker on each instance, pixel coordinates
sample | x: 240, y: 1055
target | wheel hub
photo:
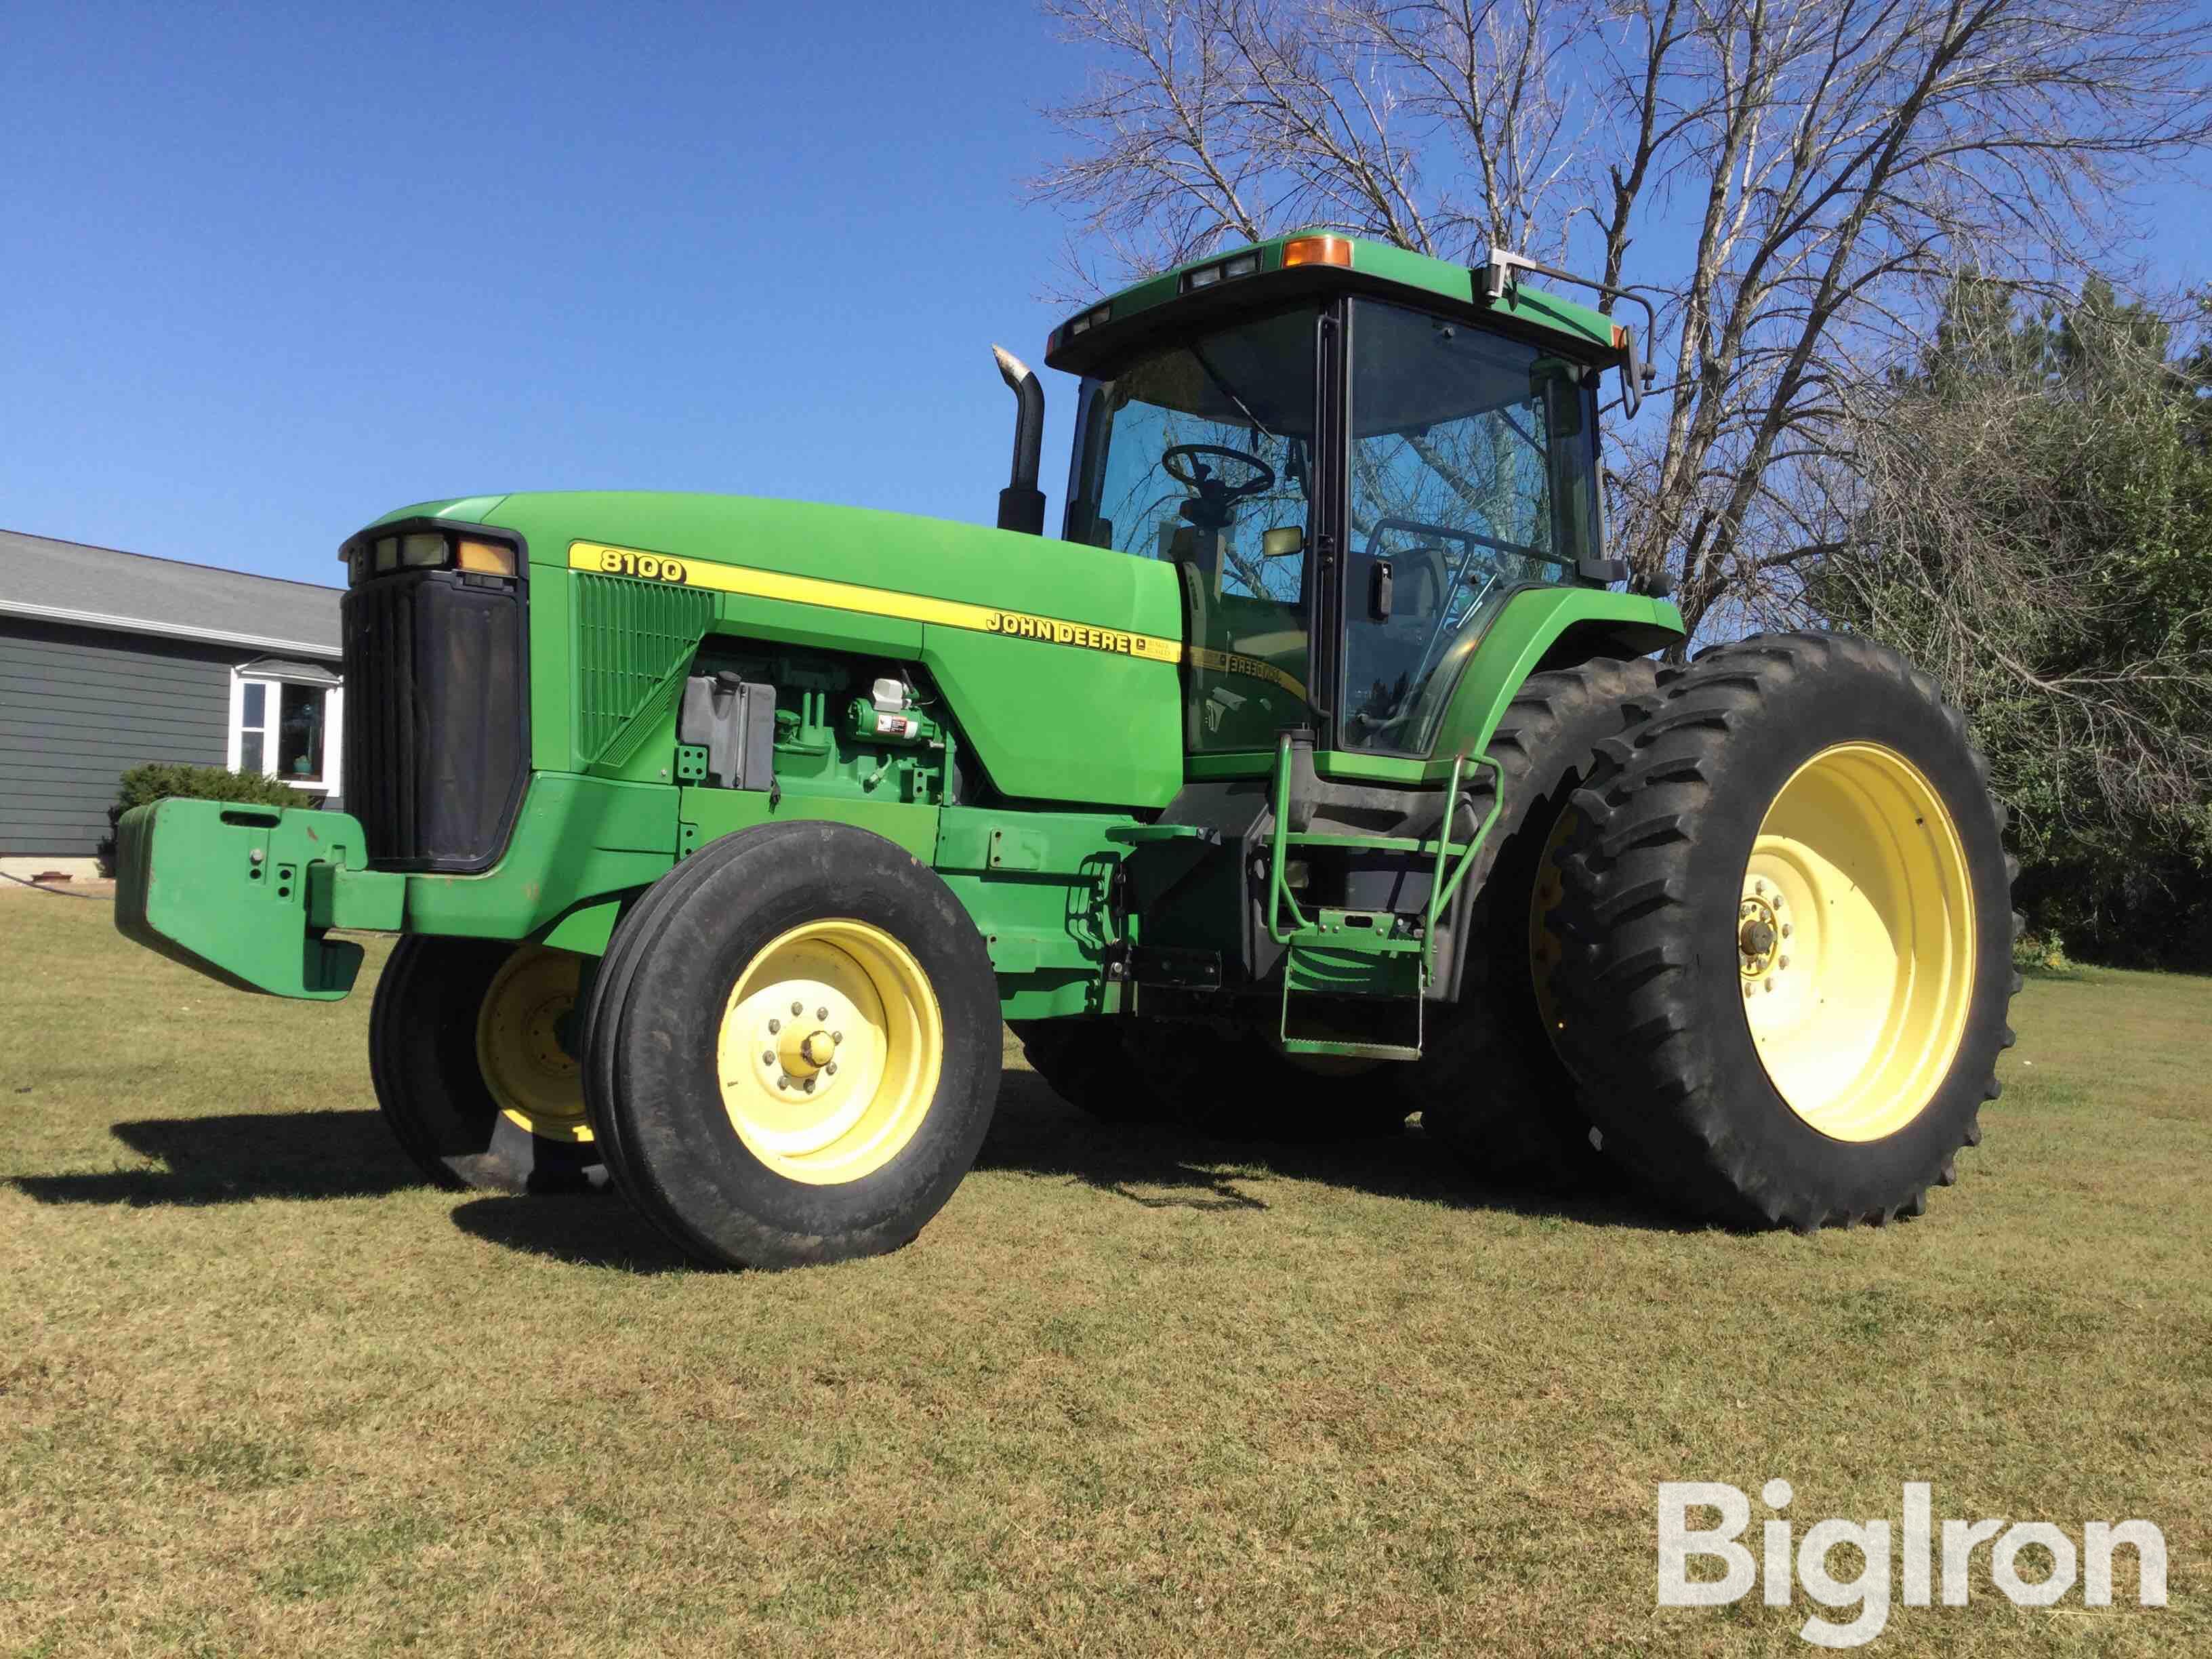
x: 1759, y: 931
x: 830, y: 1050
x: 801, y: 1052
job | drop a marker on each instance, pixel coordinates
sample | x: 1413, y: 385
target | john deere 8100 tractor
x: 1316, y: 774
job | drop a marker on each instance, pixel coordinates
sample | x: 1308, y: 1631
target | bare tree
x: 1787, y: 178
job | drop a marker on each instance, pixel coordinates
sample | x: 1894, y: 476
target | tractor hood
x: 1058, y: 660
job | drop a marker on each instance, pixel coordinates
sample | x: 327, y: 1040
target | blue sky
x: 271, y: 270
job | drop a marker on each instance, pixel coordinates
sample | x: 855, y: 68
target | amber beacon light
x: 1317, y: 251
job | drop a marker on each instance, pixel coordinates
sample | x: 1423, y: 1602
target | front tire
x: 794, y: 1046
x: 466, y: 1050
x: 1787, y: 928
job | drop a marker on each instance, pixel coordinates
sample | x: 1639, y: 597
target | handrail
x: 1442, y: 884
x: 1279, y: 889
x: 1440, y: 889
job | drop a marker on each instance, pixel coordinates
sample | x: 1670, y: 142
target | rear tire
x: 1488, y: 1084
x: 1081, y: 1060
x: 465, y: 1053
x: 1185, y: 1075
x: 1787, y: 923
x: 1233, y: 1085
x: 755, y: 1136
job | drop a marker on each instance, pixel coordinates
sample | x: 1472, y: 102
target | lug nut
x: 836, y: 1037
x: 808, y: 1085
x: 797, y: 1009
x: 1770, y: 985
x: 783, y: 1083
x: 1785, y: 930
x: 773, y: 1026
x: 821, y: 1013
x: 831, y: 1068
x: 767, y: 1057
x: 1784, y: 962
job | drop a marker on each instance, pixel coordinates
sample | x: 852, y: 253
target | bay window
x: 285, y: 724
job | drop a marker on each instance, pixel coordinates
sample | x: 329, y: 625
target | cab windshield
x: 1473, y: 474
x: 1200, y: 455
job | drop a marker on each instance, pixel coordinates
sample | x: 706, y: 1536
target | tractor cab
x: 1353, y: 456
x: 1358, y: 461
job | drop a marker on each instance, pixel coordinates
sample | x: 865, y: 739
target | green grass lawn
x: 260, y: 1391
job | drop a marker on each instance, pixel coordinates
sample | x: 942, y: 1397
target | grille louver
x: 634, y: 641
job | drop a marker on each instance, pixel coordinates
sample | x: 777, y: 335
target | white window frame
x: 333, y: 727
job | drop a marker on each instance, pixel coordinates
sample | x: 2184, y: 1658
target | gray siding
x: 79, y: 705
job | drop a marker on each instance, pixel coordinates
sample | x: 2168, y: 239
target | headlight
x: 489, y: 558
x: 426, y: 549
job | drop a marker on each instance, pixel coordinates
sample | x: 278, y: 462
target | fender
x: 1543, y: 628
x: 1536, y: 628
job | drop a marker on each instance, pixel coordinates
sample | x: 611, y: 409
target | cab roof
x: 1303, y: 264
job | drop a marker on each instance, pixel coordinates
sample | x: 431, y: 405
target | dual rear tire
x: 1773, y: 943
x: 1489, y: 1084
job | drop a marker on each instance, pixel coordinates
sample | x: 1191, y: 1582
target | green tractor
x: 1316, y: 774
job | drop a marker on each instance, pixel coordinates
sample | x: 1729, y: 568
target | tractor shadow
x: 582, y: 1229
x: 1161, y: 1166
x: 237, y: 1158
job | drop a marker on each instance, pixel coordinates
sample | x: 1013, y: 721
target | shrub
x: 160, y: 780
x: 2043, y: 952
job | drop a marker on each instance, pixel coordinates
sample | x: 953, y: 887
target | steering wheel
x: 1213, y: 505
x: 1200, y: 476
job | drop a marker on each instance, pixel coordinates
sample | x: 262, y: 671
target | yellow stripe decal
x: 1254, y: 668
x: 870, y: 601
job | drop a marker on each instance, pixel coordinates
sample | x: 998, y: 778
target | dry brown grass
x: 260, y: 1392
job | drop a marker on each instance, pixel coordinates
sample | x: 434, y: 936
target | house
x: 110, y: 659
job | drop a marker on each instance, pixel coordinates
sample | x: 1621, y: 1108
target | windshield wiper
x: 1227, y: 391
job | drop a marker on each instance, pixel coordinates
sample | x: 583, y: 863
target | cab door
x: 1201, y: 455
x: 1471, y: 475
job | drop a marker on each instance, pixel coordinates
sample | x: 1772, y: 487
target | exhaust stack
x: 1021, y: 503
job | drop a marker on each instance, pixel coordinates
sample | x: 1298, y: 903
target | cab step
x: 1327, y: 979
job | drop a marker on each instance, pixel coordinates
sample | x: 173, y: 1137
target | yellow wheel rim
x: 1546, y: 951
x: 830, y: 1049
x: 533, y: 1079
x: 1855, y: 942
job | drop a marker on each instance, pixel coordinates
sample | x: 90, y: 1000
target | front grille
x: 436, y: 701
